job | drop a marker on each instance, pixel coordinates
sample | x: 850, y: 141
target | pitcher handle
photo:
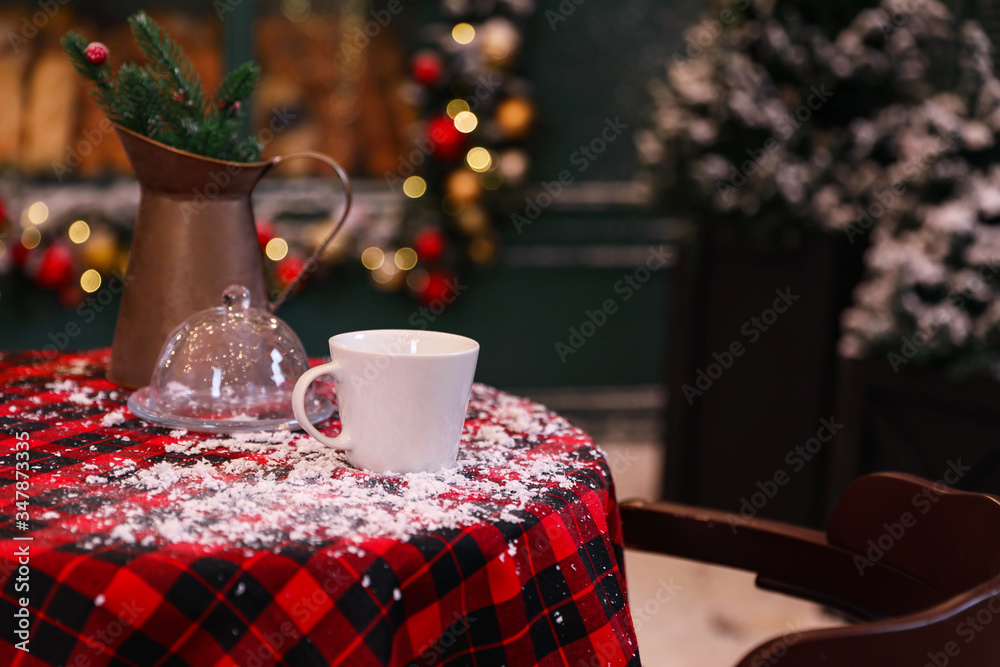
x: 310, y: 266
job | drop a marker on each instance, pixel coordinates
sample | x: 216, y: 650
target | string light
x: 90, y: 281
x: 463, y: 33
x: 414, y: 187
x: 38, y: 213
x: 276, y: 249
x: 456, y: 107
x: 30, y: 238
x: 372, y: 258
x: 405, y: 258
x: 466, y: 121
x: 79, y: 231
x: 479, y: 159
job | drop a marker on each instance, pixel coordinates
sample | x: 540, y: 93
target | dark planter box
x: 919, y: 421
x: 733, y: 445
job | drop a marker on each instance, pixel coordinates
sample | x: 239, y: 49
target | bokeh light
x: 479, y: 159
x: 456, y: 107
x: 463, y: 33
x: 90, y: 281
x: 276, y: 249
x: 405, y: 258
x: 466, y: 121
x: 30, y: 238
x: 372, y: 258
x: 79, y: 231
x: 414, y: 187
x: 38, y: 213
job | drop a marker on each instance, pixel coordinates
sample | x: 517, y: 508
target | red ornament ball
x: 265, y: 232
x: 438, y: 290
x: 55, y: 268
x: 446, y: 140
x: 429, y: 245
x: 96, y: 53
x: 289, y: 269
x: 427, y: 68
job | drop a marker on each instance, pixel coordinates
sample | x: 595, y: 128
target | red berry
x: 96, y: 53
x: 235, y: 106
x: 179, y: 95
x: 429, y: 245
x: 427, y: 68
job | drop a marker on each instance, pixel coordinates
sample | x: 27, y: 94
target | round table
x: 124, y: 543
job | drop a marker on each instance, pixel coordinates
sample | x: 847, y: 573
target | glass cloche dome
x: 230, y: 368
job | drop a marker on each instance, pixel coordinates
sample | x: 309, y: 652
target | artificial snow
x: 284, y: 486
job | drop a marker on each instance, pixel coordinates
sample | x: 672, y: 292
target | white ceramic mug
x: 402, y: 397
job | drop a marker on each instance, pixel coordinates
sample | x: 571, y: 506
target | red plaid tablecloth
x: 533, y: 581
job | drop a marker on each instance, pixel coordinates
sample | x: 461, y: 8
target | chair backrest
x: 945, y: 538
x: 919, y: 560
x: 949, y: 539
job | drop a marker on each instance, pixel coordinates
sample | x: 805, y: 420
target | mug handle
x: 342, y: 441
x: 310, y: 266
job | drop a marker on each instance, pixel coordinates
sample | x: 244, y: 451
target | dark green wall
x: 593, y: 66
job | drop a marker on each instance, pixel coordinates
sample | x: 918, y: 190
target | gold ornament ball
x: 463, y: 186
x: 499, y: 40
x: 473, y: 220
x: 100, y: 252
x: 515, y: 116
x: 513, y: 166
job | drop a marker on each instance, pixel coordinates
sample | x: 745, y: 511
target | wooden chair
x: 917, y: 564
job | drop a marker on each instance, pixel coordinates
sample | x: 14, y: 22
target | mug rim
x: 473, y: 344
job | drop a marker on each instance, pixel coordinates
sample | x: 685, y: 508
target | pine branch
x: 165, y: 100
x: 169, y: 64
x: 98, y: 75
x: 238, y: 85
x: 138, y: 100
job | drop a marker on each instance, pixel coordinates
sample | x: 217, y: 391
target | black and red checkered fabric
x: 549, y: 590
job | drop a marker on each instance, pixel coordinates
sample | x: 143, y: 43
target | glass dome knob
x: 236, y: 297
